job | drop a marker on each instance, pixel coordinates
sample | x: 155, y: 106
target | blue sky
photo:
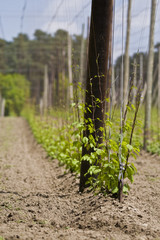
x: 38, y: 15
x: 50, y: 15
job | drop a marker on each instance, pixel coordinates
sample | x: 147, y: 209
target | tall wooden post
x: 86, y: 55
x: 82, y: 56
x: 109, y: 77
x: 142, y: 79
x: 134, y: 79
x: 81, y: 74
x: 126, y: 56
x: 51, y: 88
x: 148, y: 103
x: 0, y: 102
x: 63, y: 96
x: 141, y: 67
x: 159, y: 83
x: 101, y: 18
x: 155, y: 89
x: 41, y: 108
x: 3, y: 107
x: 117, y: 83
x: 70, y: 92
x: 113, y: 86
x: 46, y: 86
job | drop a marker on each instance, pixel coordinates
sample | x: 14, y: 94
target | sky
x: 49, y: 15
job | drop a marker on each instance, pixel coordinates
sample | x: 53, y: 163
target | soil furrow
x: 38, y: 201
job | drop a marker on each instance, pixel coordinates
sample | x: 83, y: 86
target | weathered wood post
x: 101, y: 18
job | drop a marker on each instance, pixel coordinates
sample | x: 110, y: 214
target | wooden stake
x: 81, y: 80
x: 113, y: 86
x: 3, y: 107
x: 126, y: 56
x: 134, y: 79
x: 159, y: 83
x: 70, y: 92
x: 45, y: 93
x: 148, y: 103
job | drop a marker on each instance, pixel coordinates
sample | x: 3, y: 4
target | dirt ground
x: 38, y: 201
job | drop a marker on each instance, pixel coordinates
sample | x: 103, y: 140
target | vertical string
x: 122, y: 98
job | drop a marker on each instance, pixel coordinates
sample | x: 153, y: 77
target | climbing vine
x: 64, y: 142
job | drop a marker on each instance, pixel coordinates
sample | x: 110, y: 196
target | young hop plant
x: 65, y: 144
x: 104, y: 159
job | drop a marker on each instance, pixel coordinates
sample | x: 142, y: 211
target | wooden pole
x: 159, y: 83
x: 134, y: 79
x: 51, y: 89
x: 3, y: 107
x: 46, y: 87
x: 0, y: 103
x: 117, y: 83
x: 82, y: 56
x: 148, y: 103
x: 126, y: 56
x: 41, y: 108
x: 113, y: 86
x: 109, y: 77
x: 101, y: 17
x: 141, y: 68
x: 70, y: 92
x: 155, y: 89
x: 81, y: 74
x: 63, y: 96
x: 142, y: 79
x: 87, y: 47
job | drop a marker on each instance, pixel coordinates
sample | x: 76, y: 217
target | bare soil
x: 38, y: 201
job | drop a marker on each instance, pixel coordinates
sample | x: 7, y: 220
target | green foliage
x: 64, y: 142
x: 2, y: 238
x: 15, y: 89
x: 29, y: 56
x: 60, y: 142
x: 104, y: 175
x: 154, y: 147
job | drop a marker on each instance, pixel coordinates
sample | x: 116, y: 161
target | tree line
x: 29, y: 56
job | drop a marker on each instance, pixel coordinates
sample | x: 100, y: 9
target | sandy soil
x: 38, y: 201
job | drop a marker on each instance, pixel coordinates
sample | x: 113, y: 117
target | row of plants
x: 154, y: 142
x: 14, y: 88
x: 63, y: 140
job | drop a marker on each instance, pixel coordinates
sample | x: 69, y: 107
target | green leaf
x: 130, y: 147
x: 85, y: 140
x: 115, y: 190
x: 133, y: 107
x: 73, y: 105
x: 86, y: 157
x: 99, y: 151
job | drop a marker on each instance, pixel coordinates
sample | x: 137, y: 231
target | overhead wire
x: 143, y: 32
x: 54, y: 15
x: 139, y: 13
x: 22, y: 17
x: 78, y: 14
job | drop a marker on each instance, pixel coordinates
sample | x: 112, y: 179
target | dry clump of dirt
x: 38, y: 201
